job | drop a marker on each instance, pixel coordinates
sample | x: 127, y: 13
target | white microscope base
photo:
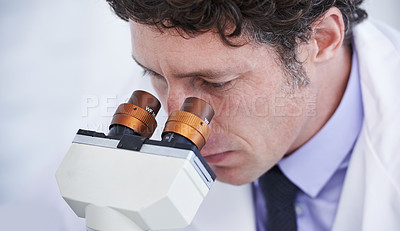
x: 116, y: 189
x: 107, y: 219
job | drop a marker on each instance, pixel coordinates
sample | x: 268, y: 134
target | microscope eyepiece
x: 137, y: 117
x: 190, y: 123
x: 146, y: 101
x: 198, y: 107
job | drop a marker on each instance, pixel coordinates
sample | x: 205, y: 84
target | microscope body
x: 133, y: 183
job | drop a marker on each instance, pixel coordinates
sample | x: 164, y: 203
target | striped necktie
x: 280, y: 194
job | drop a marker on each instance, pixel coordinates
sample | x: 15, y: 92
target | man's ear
x: 328, y: 35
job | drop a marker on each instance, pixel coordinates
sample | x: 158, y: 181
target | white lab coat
x: 370, y: 198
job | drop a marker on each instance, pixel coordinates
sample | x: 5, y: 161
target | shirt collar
x: 313, y: 164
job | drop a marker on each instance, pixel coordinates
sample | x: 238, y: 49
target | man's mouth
x: 216, y: 157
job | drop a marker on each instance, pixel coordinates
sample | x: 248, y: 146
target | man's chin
x: 230, y: 176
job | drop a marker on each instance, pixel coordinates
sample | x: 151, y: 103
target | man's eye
x: 221, y: 86
x: 145, y: 73
x: 150, y: 73
x: 215, y: 84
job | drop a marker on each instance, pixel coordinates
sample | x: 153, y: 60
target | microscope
x: 125, y: 181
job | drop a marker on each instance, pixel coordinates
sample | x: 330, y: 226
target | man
x: 302, y: 96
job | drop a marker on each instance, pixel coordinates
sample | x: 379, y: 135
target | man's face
x: 257, y: 120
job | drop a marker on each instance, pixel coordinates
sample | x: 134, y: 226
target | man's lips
x: 216, y: 157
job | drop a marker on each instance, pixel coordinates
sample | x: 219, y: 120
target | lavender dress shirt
x: 319, y: 167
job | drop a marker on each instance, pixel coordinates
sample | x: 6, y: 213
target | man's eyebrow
x: 207, y: 73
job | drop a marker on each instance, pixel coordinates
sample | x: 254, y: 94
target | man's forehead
x: 173, y: 34
x: 142, y: 33
x: 209, y: 36
x: 152, y: 49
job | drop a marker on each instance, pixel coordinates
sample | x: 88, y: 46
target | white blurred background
x: 65, y: 65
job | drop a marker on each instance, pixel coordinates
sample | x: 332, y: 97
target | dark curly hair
x: 279, y: 23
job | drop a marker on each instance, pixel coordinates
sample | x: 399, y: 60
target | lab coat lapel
x: 371, y: 192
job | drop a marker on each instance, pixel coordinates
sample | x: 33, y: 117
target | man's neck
x: 331, y: 79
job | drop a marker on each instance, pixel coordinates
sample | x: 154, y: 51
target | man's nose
x: 176, y: 96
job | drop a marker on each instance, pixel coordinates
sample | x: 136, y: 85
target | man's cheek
x: 248, y: 107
